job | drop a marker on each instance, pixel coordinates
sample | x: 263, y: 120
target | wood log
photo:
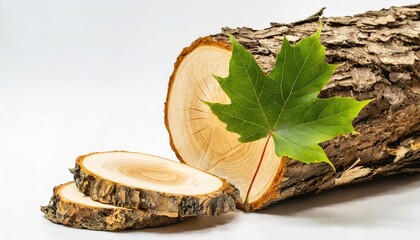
x: 379, y: 53
x: 68, y: 206
x: 160, y: 186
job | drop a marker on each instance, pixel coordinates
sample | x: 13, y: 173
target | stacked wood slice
x: 119, y: 190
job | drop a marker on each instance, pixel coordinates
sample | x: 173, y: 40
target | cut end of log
x: 158, y: 185
x: 70, y: 207
x: 199, y: 138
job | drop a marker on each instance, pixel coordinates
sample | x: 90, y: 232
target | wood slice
x: 379, y: 56
x: 70, y: 207
x: 161, y: 186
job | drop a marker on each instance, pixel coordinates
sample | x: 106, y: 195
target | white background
x: 83, y: 75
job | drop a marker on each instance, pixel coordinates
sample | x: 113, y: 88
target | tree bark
x: 379, y: 53
x: 62, y: 210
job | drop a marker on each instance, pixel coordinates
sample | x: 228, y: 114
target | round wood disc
x: 162, y: 186
x: 70, y: 207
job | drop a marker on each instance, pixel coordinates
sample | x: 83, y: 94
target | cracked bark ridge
x: 159, y: 203
x: 62, y: 210
x: 379, y: 53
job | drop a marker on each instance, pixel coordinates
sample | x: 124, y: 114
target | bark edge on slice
x: 91, y: 215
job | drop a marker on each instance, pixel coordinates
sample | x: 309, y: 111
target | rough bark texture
x: 160, y: 203
x: 379, y: 52
x: 61, y: 211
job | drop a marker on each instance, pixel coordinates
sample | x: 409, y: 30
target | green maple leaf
x: 284, y: 104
